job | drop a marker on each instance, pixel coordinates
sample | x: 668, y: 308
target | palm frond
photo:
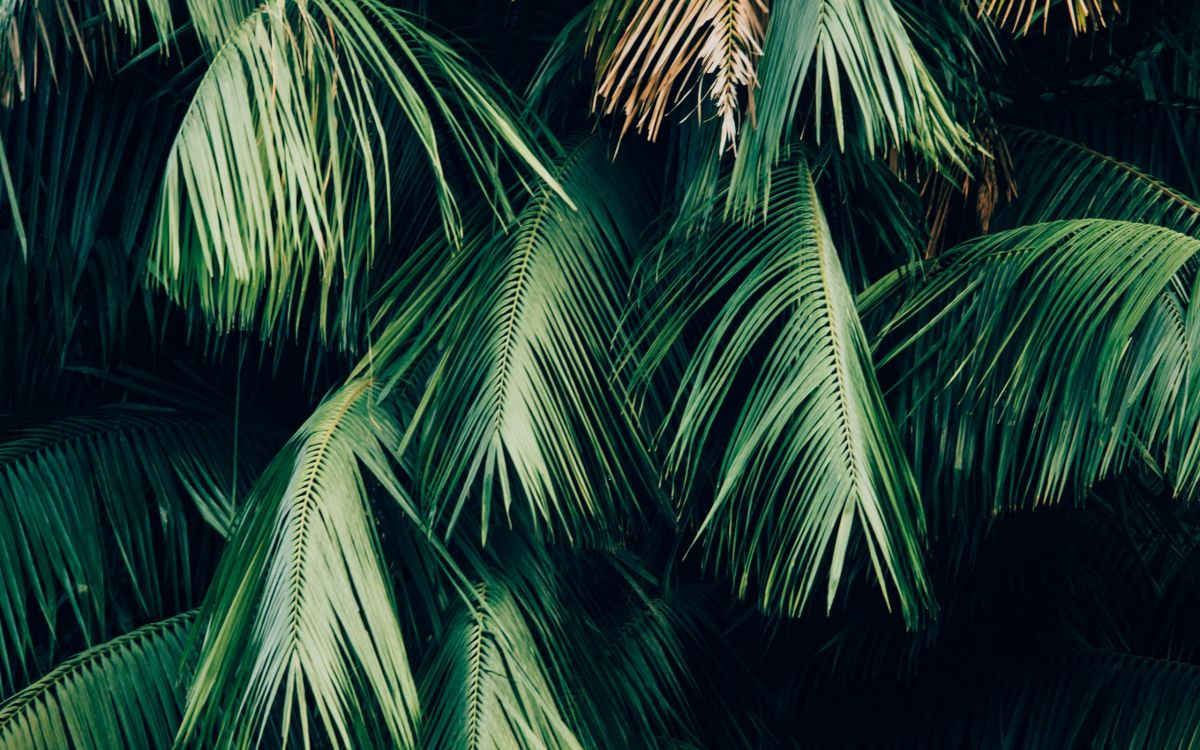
x: 281, y: 166
x: 89, y: 497
x: 633, y: 680
x: 1042, y: 359
x: 1058, y: 178
x: 124, y: 693
x: 607, y: 645
x: 709, y: 44
x: 300, y: 630
x: 487, y: 686
x: 523, y: 382
x: 811, y: 459
x: 821, y: 50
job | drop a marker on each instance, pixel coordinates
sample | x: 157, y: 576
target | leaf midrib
x: 304, y: 498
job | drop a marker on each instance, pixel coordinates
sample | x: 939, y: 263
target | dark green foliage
x: 705, y: 374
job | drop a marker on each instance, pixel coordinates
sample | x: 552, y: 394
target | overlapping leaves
x: 279, y: 182
x: 815, y: 53
x: 89, y: 497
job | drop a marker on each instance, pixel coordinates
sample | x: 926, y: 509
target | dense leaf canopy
x: 528, y: 375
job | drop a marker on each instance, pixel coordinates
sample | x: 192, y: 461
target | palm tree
x: 634, y: 373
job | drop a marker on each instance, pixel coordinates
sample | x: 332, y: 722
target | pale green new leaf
x: 809, y: 459
x: 125, y: 694
x: 300, y: 634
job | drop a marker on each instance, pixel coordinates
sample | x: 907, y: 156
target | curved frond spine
x: 525, y: 327
x: 811, y: 460
x: 122, y: 694
x: 300, y: 628
x: 87, y: 494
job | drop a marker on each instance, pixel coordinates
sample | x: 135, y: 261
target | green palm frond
x: 625, y: 683
x: 1058, y: 178
x: 1042, y: 359
x: 71, y: 159
x: 300, y: 630
x: 487, y: 686
x: 124, y: 693
x: 89, y: 497
x: 856, y: 64
x: 281, y: 166
x: 522, y: 381
x: 632, y: 681
x: 811, y: 460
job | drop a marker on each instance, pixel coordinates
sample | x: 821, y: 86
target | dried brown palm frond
x: 652, y: 55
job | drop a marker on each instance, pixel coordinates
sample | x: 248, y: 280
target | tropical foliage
x: 633, y: 373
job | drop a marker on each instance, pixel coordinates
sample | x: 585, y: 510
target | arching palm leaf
x: 1059, y: 178
x: 125, y: 693
x: 812, y: 459
x: 1041, y: 359
x: 527, y: 322
x: 282, y: 160
x: 91, y: 496
x: 301, y: 635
